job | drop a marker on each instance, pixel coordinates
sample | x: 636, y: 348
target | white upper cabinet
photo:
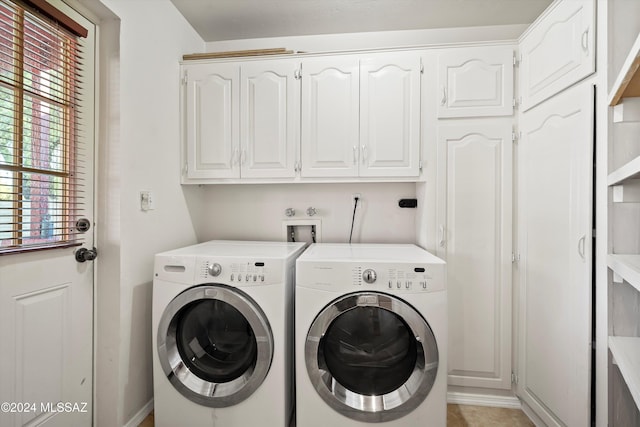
x: 390, y: 115
x: 269, y: 119
x: 361, y: 116
x: 558, y: 50
x: 212, y: 95
x: 242, y: 120
x: 475, y: 82
x: 330, y: 113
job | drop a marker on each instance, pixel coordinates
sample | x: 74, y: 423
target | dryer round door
x: 215, y: 345
x: 371, y: 356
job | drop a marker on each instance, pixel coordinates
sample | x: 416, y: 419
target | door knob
x: 84, y: 254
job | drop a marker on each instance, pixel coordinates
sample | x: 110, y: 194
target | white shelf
x: 628, y: 171
x: 626, y: 266
x: 626, y: 353
x: 628, y: 80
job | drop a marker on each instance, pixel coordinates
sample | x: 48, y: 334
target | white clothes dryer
x: 371, y: 336
x: 222, y: 320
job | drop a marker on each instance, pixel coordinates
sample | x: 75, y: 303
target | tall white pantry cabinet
x: 473, y: 176
x: 499, y: 139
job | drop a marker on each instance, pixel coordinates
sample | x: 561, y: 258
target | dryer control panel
x: 383, y: 277
x: 416, y: 278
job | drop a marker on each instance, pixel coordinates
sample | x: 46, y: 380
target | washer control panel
x: 241, y: 272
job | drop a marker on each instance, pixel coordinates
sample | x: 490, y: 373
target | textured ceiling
x: 217, y: 20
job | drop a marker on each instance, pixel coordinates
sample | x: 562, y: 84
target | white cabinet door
x: 270, y: 114
x: 558, y: 51
x: 474, y: 216
x: 211, y: 126
x: 475, y: 81
x: 390, y: 115
x: 330, y: 117
x: 555, y: 205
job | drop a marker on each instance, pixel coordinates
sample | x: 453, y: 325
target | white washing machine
x: 371, y: 336
x: 223, y: 334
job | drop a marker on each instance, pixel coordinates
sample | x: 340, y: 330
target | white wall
x: 257, y: 212
x: 141, y: 44
x: 379, y: 40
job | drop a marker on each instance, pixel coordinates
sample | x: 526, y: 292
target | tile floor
x: 462, y: 416
x: 484, y: 416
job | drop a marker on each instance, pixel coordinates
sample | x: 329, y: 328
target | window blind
x: 42, y: 164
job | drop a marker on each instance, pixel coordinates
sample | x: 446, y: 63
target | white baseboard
x: 511, y: 402
x: 532, y: 416
x: 140, y: 415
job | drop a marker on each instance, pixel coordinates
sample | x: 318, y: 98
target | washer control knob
x: 214, y: 269
x: 369, y: 276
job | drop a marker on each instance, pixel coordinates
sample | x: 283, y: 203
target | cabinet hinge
x: 184, y: 78
x: 514, y: 378
x: 515, y: 136
x: 517, y: 59
x: 514, y: 102
x: 515, y: 257
x: 421, y: 67
x: 296, y: 167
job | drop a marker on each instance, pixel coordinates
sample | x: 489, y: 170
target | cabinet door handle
x: 585, y: 40
x: 441, y: 236
x: 364, y: 154
x: 243, y: 156
x: 355, y: 154
x: 443, y: 101
x: 581, y: 244
x: 234, y: 156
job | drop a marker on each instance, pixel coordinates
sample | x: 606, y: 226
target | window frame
x: 66, y: 169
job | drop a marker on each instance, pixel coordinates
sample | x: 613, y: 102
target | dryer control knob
x: 214, y: 270
x: 369, y: 276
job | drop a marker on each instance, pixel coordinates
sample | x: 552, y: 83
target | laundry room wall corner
x: 140, y: 134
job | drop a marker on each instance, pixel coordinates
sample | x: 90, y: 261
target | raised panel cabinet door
x: 390, y: 115
x: 474, y: 214
x: 330, y: 117
x: 269, y: 119
x: 475, y: 82
x: 555, y: 243
x: 212, y: 96
x: 558, y: 50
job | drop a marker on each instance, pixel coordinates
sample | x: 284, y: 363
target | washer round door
x: 215, y: 345
x: 371, y: 356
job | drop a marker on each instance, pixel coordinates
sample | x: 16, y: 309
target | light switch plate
x: 147, y: 201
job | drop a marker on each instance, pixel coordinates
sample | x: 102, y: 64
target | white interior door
x: 474, y: 206
x: 555, y: 205
x: 46, y: 312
